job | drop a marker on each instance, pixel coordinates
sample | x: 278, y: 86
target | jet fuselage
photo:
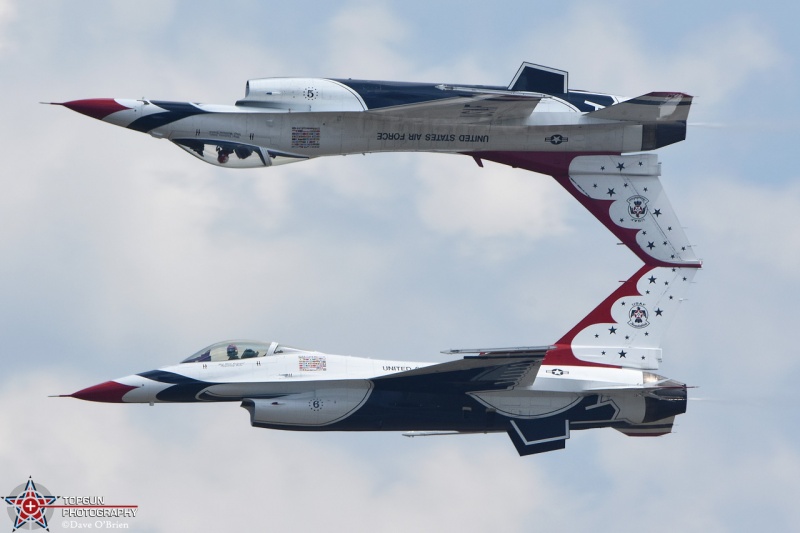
x: 288, y: 388
x: 284, y: 120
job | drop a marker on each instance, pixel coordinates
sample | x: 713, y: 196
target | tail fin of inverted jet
x: 625, y: 194
x: 625, y: 330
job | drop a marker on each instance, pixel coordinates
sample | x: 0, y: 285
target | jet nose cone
x: 98, y: 108
x: 110, y: 391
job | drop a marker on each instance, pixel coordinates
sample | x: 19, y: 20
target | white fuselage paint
x: 343, y: 133
x: 284, y: 394
x: 276, y: 112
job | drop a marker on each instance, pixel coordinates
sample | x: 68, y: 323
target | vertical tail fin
x: 625, y: 194
x: 625, y: 330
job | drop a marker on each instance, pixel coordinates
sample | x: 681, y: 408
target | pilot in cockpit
x: 248, y: 353
x: 233, y: 352
x: 223, y: 155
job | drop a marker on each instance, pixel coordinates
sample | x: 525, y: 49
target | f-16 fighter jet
x: 599, y: 374
x: 535, y: 122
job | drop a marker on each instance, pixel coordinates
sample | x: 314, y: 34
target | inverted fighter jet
x: 535, y: 122
x: 599, y: 374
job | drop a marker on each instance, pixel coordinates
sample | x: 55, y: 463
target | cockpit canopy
x: 232, y: 350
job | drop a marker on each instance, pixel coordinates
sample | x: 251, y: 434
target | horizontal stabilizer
x: 479, y: 109
x: 625, y: 194
x: 646, y: 389
x: 651, y: 107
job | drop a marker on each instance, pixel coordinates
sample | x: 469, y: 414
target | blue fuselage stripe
x: 173, y: 111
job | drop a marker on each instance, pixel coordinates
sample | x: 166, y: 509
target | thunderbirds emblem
x: 637, y: 207
x: 638, y: 316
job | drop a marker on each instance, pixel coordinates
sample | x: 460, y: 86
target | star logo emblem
x: 31, y: 505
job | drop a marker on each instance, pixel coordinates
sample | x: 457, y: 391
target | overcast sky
x: 120, y: 253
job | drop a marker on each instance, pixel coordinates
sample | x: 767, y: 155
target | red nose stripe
x: 110, y: 391
x: 98, y: 108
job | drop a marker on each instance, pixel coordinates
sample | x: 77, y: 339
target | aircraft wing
x: 479, y: 109
x: 488, y: 369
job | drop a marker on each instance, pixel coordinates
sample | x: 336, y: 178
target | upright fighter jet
x: 599, y: 374
x: 535, y: 122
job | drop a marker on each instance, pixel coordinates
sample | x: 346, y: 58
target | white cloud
x: 458, y: 198
x: 611, y: 53
x: 8, y: 13
x: 729, y: 481
x: 370, y: 182
x: 745, y: 222
x: 121, y: 253
x: 365, y: 40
